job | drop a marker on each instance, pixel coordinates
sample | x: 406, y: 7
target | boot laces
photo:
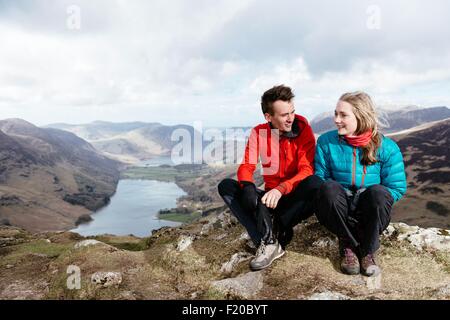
x: 369, y: 259
x: 349, y: 255
x: 261, y: 249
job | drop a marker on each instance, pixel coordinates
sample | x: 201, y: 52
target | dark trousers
x: 291, y: 208
x: 362, y: 226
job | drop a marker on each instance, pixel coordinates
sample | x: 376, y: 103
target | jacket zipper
x: 282, y: 168
x: 285, y: 156
x: 354, y: 171
x: 354, y: 168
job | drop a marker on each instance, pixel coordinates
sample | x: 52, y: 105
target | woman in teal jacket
x: 364, y: 176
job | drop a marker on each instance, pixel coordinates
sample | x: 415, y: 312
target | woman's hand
x: 271, y: 198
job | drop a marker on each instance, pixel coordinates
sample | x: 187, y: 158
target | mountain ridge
x: 390, y: 120
x: 50, y: 177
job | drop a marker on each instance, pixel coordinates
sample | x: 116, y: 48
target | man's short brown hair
x: 281, y: 92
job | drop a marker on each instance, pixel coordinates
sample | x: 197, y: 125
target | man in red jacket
x: 285, y: 146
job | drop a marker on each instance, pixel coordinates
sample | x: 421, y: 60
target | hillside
x: 128, y: 142
x: 427, y: 162
x: 50, y: 178
x: 209, y: 260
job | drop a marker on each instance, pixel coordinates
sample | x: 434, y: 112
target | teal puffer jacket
x: 337, y: 160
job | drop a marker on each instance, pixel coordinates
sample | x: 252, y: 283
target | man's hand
x: 271, y: 198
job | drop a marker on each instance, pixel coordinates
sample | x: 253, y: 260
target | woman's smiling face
x: 345, y: 119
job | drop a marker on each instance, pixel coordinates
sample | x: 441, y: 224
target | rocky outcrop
x: 87, y: 243
x: 189, y: 263
x: 244, y: 286
x: 184, y: 242
x: 236, y: 258
x: 107, y: 279
x: 420, y: 238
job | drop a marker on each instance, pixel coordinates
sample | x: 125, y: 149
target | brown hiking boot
x: 349, y: 262
x: 369, y: 266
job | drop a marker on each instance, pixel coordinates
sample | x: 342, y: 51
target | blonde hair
x: 366, y: 117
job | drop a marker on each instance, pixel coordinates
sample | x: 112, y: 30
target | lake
x: 133, y: 209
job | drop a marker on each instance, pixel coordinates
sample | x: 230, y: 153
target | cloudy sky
x: 201, y: 60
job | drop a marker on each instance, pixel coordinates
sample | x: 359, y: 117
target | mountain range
x: 390, y: 120
x: 128, y: 142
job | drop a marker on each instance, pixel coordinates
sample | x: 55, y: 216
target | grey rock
x: 420, y: 238
x: 328, y: 295
x: 220, y: 236
x: 87, y: 243
x: 358, y: 280
x: 443, y: 292
x: 107, y: 279
x: 248, y: 241
x: 244, y: 236
x: 251, y: 245
x: 245, y: 286
x: 206, y: 228
x: 184, y: 242
x: 236, y: 258
x: 325, y: 243
x: 127, y: 295
x: 39, y: 255
x: 7, y: 241
x: 389, y: 231
x: 23, y: 290
x: 225, y: 219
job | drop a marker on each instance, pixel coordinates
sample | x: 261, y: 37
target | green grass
x: 150, y: 173
x: 167, y: 174
x: 214, y: 294
x: 124, y: 243
x: 51, y: 250
x: 181, y: 217
x: 443, y: 258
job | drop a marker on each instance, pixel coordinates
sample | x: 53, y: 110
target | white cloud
x: 379, y: 77
x: 292, y: 74
x: 179, y: 61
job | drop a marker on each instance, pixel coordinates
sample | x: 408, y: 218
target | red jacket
x: 294, y: 161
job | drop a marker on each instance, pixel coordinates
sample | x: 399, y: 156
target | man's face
x: 283, y: 115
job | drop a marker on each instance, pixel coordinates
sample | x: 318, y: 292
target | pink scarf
x: 359, y: 141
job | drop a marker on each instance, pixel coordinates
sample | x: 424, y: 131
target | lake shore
x: 198, y: 181
x: 134, y: 209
